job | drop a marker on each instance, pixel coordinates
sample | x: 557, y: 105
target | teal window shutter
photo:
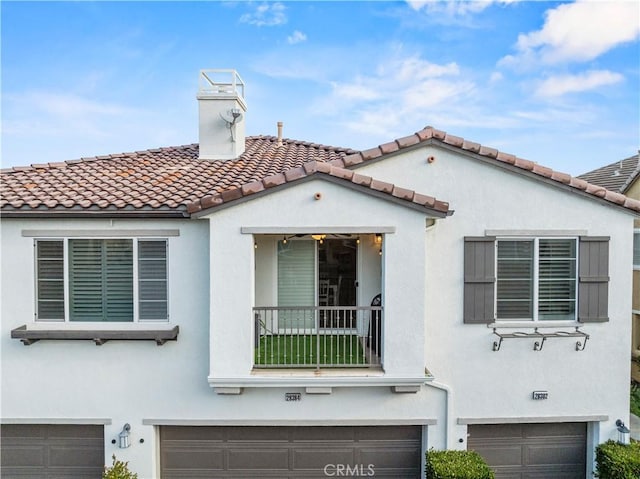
x: 101, y: 280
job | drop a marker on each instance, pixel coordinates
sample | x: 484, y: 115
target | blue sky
x: 553, y: 82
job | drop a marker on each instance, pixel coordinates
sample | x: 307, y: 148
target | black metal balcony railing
x: 318, y: 337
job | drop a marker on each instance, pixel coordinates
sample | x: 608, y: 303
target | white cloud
x: 453, y: 7
x: 558, y: 85
x: 401, y: 78
x: 296, y: 37
x: 578, y: 32
x: 496, y: 77
x: 266, y: 15
x: 407, y: 90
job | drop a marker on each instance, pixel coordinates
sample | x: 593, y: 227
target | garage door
x: 528, y: 451
x: 290, y: 452
x: 45, y: 451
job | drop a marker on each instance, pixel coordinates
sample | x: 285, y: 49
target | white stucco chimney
x: 222, y: 111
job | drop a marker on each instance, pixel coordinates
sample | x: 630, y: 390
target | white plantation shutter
x: 515, y: 279
x: 557, y: 264
x: 50, y: 280
x: 152, y: 279
x: 296, y: 273
x: 296, y: 280
x: 101, y: 280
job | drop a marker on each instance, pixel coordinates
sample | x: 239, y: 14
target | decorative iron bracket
x: 542, y: 337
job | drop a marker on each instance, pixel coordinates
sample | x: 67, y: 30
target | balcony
x: 318, y: 337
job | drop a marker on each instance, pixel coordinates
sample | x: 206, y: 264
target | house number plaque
x: 537, y: 395
x: 292, y: 397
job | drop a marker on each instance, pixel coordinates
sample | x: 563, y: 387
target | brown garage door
x: 528, y: 451
x: 46, y: 451
x: 290, y: 452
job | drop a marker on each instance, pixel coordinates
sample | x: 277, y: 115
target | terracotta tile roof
x: 165, y: 181
x: 161, y: 180
x: 430, y: 135
x: 617, y: 176
x: 315, y: 168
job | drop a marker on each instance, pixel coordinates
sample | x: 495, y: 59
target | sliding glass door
x: 317, y: 273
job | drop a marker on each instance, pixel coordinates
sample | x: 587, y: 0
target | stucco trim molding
x: 223, y: 384
x: 531, y: 419
x: 290, y: 422
x: 536, y: 232
x: 318, y: 229
x: 55, y: 420
x: 117, y: 233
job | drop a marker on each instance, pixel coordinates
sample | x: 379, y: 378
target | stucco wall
x: 490, y: 384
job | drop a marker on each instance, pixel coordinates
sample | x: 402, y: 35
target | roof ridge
x: 88, y: 159
x: 431, y: 134
x: 338, y: 149
x: 609, y: 165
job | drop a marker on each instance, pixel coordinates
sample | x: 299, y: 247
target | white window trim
x: 636, y: 267
x: 536, y: 272
x: 67, y: 295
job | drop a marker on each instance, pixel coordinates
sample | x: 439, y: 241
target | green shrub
x: 118, y: 470
x: 618, y: 461
x: 456, y: 465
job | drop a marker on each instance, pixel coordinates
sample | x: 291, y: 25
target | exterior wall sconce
x: 123, y: 437
x: 624, y: 434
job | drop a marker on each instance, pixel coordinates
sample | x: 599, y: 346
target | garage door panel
x: 74, y: 432
x: 555, y: 454
x: 502, y: 455
x: 389, y: 433
x: 21, y: 455
x: 258, y: 458
x: 201, y: 433
x: 259, y: 434
x: 497, y: 431
x: 554, y: 474
x: 554, y: 430
x: 79, y: 456
x: 184, y: 457
x: 318, y: 457
x: 385, y: 457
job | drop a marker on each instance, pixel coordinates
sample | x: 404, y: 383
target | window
x: 536, y: 279
x: 115, y: 280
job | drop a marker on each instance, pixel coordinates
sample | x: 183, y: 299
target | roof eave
x: 89, y: 213
x: 431, y: 212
